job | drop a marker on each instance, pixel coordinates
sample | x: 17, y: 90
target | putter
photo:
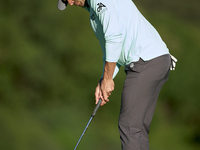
x: 92, y: 116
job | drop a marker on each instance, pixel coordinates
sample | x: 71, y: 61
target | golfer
x: 127, y: 39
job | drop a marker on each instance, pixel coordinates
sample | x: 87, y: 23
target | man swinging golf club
x: 127, y: 39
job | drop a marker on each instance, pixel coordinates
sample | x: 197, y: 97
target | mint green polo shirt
x: 123, y: 32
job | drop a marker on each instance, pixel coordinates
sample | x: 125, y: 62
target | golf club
x: 92, y: 116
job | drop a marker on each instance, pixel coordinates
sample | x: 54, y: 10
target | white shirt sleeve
x: 108, y: 19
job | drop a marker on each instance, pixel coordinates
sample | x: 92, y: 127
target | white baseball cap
x: 62, y: 4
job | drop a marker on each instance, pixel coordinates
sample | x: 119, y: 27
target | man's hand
x: 98, y: 94
x: 106, y: 85
x: 104, y: 90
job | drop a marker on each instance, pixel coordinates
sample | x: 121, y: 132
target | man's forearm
x: 107, y: 83
x: 109, y: 69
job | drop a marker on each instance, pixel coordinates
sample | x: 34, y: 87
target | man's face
x: 80, y: 3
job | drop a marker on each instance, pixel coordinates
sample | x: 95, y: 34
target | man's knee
x: 130, y: 129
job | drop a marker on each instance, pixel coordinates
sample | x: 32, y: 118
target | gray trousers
x: 144, y: 80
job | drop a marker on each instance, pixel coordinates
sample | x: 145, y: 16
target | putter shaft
x: 83, y: 133
x: 92, y: 116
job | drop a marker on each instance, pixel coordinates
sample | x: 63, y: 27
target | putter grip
x: 96, y: 108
